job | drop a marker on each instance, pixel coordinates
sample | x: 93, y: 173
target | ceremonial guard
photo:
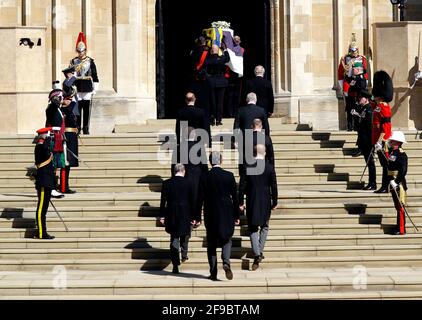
x: 55, y: 120
x: 397, y: 169
x: 87, y: 81
x: 69, y: 109
x: 45, y: 180
x: 352, y: 77
x: 364, y: 141
x: 382, y: 92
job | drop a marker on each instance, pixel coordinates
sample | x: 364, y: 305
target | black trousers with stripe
x: 44, y: 196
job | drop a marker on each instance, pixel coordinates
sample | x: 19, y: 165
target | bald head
x: 190, y: 99
x: 259, y: 151
x: 259, y: 71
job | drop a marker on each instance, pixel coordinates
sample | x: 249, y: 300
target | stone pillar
x: 23, y: 82
x: 397, y: 47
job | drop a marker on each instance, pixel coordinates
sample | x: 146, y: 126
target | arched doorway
x: 179, y: 23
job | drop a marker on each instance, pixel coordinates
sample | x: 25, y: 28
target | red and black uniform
x: 352, y: 82
x: 397, y: 170
x: 381, y: 123
x: 44, y: 184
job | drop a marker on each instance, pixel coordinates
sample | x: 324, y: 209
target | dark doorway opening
x: 179, y: 23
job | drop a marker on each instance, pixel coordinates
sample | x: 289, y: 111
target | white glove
x: 393, y: 184
x: 378, y: 147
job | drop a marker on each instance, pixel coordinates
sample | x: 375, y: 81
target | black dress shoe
x: 397, y: 233
x: 229, y: 273
x: 381, y: 190
x: 175, y: 270
x: 370, y: 187
x: 261, y: 257
x: 255, y: 264
x: 69, y: 191
x: 212, y: 277
x: 45, y: 237
x: 184, y: 259
x: 219, y: 123
x: 356, y: 153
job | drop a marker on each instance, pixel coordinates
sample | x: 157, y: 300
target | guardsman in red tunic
x: 397, y: 169
x: 381, y: 121
x: 352, y: 78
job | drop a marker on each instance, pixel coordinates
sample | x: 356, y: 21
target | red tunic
x: 381, y: 121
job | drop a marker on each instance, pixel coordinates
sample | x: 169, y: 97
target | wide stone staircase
x: 327, y: 238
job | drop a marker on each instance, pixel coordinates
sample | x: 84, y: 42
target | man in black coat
x: 260, y: 186
x: 218, y: 193
x: 244, y: 121
x: 195, y: 118
x: 45, y: 180
x: 177, y: 211
x: 259, y: 136
x: 263, y: 89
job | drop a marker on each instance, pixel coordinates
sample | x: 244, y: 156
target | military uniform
x: 45, y: 181
x: 72, y: 147
x: 397, y: 170
x: 55, y: 120
x: 87, y: 82
x: 352, y: 77
x: 381, y: 119
x: 365, y: 144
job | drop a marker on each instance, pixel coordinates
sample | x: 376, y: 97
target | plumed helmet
x: 398, y: 136
x: 383, y: 86
x: 81, y: 45
x: 353, y: 46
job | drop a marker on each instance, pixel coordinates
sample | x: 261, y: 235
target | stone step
x: 349, y: 198
x: 344, y: 295
x: 276, y: 219
x: 372, y: 210
x: 99, y: 186
x: 200, y: 242
x: 101, y: 265
x: 280, y: 230
x: 135, y: 252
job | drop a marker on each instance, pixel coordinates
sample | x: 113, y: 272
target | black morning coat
x: 264, y: 92
x: 247, y: 114
x: 269, y: 149
x: 261, y: 194
x: 398, y: 162
x: 218, y: 193
x: 177, y: 206
x: 196, y: 118
x: 45, y: 175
